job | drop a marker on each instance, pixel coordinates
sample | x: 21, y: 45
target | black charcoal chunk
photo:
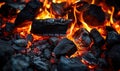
x: 40, y: 42
x: 6, y: 51
x: 7, y: 11
x: 40, y: 65
x: 97, y: 38
x: 43, y: 46
x: 17, y: 5
x: 18, y: 63
x: 114, y: 56
x: 109, y: 29
x: 89, y: 58
x: 94, y: 13
x: 28, y: 13
x: 82, y: 37
x: 82, y: 5
x: 30, y: 37
x: 99, y: 69
x: 112, y: 38
x: 21, y: 42
x: 96, y: 51
x: 9, y: 27
x: 54, y: 41
x: 54, y: 67
x: 65, y: 47
x: 58, y: 8
x: 115, y: 3
x: 102, y: 63
x: 71, y: 64
x: 50, y: 26
x: 47, y: 53
x: 18, y: 48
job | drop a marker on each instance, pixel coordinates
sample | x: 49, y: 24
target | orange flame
x: 46, y: 12
x: 2, y: 4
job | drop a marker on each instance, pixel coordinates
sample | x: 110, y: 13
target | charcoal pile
x: 37, y: 35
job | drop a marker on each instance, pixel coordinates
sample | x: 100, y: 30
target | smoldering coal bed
x: 59, y: 35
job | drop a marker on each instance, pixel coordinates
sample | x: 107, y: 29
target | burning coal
x: 59, y: 35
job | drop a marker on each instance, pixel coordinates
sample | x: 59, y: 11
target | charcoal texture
x: 82, y: 37
x: 65, y: 47
x: 112, y: 37
x: 94, y: 13
x: 50, y: 26
x: 96, y: 51
x: 28, y: 13
x: 18, y: 63
x: 90, y: 58
x: 71, y: 64
x: 97, y: 38
x: 58, y: 8
x: 114, y: 56
x: 6, y: 51
x: 40, y: 65
x: 7, y: 11
x: 9, y: 27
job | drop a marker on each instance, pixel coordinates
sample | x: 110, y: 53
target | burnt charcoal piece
x: 97, y: 38
x: 43, y: 46
x: 54, y: 68
x: 112, y: 38
x: 9, y: 27
x: 40, y: 65
x: 94, y: 13
x: 53, y: 41
x: 109, y: 29
x: 115, y: 3
x: 102, y: 63
x: 21, y: 42
x: 114, y: 56
x: 47, y: 53
x: 82, y: 37
x: 30, y: 37
x: 17, y: 6
x: 65, y: 47
x: 6, y: 51
x: 89, y: 58
x: 82, y: 5
x: 18, y: 63
x: 18, y: 48
x: 7, y: 11
x: 58, y: 8
x: 50, y: 26
x: 99, y: 69
x: 95, y: 50
x: 40, y: 42
x: 71, y: 64
x: 29, y: 12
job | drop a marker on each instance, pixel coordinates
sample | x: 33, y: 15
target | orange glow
x: 119, y: 13
x: 111, y: 16
x: 86, y: 63
x: 24, y: 30
x: 2, y: 4
x: 68, y: 1
x: 93, y: 2
x: 29, y: 44
x: 46, y: 12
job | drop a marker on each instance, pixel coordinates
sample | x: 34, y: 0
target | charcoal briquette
x: 65, y: 47
x: 71, y: 64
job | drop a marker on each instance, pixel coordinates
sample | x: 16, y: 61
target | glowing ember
x: 2, y: 4
x: 46, y: 12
